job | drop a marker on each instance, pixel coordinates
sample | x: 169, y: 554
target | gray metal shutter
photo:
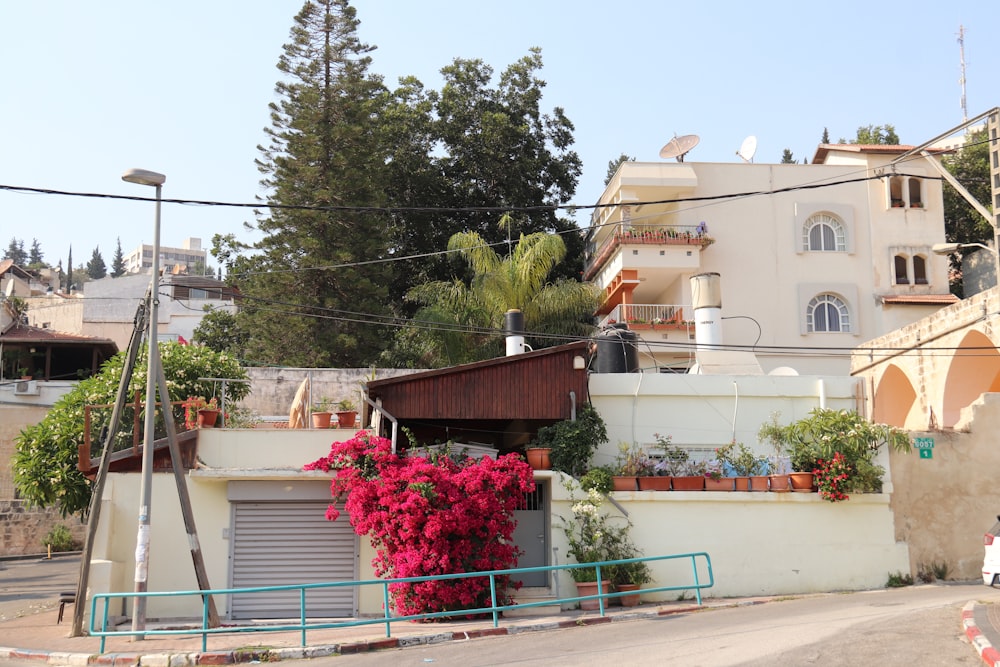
x: 280, y: 543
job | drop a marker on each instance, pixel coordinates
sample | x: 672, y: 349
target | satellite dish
x: 678, y: 147
x: 748, y: 148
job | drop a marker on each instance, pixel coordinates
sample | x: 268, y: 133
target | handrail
x: 302, y: 626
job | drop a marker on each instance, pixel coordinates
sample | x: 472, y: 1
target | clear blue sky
x: 182, y: 87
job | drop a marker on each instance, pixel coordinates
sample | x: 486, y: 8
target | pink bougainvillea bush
x: 430, y: 516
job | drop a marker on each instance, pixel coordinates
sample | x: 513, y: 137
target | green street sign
x: 926, y: 453
x: 924, y: 443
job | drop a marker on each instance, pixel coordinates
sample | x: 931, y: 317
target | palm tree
x: 468, y: 318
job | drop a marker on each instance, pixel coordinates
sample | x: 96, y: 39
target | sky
x: 90, y: 90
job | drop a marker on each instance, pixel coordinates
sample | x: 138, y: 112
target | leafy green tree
x: 220, y: 330
x: 477, y: 144
x: 96, y: 269
x: 315, y: 270
x: 118, y: 261
x: 466, y: 320
x: 35, y: 260
x: 963, y: 223
x: 45, y: 460
x: 15, y: 252
x: 614, y: 164
x: 875, y: 134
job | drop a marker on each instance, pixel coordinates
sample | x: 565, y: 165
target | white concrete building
x: 190, y: 256
x: 814, y: 258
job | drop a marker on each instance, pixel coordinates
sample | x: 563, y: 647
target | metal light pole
x: 143, y: 177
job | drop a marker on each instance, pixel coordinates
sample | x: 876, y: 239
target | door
x: 531, y: 534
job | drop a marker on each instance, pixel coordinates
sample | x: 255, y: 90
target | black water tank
x: 616, y: 350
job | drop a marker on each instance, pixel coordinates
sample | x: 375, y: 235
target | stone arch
x: 974, y: 369
x: 894, y: 397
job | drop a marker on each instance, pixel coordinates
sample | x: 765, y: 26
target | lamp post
x: 143, y: 177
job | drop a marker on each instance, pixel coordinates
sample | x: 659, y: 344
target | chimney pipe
x: 513, y: 328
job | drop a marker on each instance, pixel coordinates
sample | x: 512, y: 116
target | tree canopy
x: 360, y: 175
x: 469, y: 317
x: 963, y: 223
x: 45, y: 461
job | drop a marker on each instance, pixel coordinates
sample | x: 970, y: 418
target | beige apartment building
x: 814, y: 258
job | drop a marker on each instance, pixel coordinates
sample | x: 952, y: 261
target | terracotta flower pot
x: 695, y: 483
x: 538, y: 458
x: 207, y: 417
x: 321, y: 419
x: 802, y: 482
x: 624, y: 483
x: 346, y: 419
x: 628, y: 600
x: 759, y: 483
x: 779, y: 483
x: 721, y: 484
x: 590, y: 588
x: 648, y: 483
x: 743, y: 483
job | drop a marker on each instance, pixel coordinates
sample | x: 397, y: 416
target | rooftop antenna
x: 961, y: 79
x: 680, y: 146
x: 748, y: 148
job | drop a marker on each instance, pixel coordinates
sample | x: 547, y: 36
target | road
x: 32, y: 585
x: 910, y: 626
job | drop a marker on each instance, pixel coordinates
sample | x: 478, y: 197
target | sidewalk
x: 38, y: 637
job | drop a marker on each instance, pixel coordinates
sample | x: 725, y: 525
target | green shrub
x: 60, y: 539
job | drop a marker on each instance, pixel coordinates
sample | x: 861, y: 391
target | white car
x: 991, y: 562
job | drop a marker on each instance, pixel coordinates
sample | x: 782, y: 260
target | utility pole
x: 961, y: 58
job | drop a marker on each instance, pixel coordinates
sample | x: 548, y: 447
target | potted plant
x: 631, y: 464
x: 539, y: 458
x: 593, y: 538
x: 200, y: 413
x: 745, y: 465
x: 715, y: 477
x: 573, y: 443
x: 322, y: 415
x: 676, y: 463
x: 347, y: 413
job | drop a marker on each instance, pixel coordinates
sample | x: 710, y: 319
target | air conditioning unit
x: 26, y: 388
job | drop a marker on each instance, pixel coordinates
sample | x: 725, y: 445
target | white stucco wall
x: 708, y: 411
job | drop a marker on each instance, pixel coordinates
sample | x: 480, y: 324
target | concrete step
x: 531, y: 596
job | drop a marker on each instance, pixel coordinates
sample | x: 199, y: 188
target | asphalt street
x: 32, y: 585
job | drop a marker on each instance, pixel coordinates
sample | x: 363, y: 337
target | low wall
x: 23, y: 528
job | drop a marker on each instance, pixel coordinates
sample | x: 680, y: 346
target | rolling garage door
x: 291, y: 542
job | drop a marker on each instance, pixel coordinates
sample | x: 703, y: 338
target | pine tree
x: 69, y: 270
x: 35, y: 255
x: 15, y: 252
x: 324, y: 150
x: 825, y: 139
x: 118, y: 261
x: 96, y: 268
x: 786, y: 157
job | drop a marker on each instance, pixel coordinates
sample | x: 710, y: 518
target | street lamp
x: 143, y: 177
x: 948, y: 248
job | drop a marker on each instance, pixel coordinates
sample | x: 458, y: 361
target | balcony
x: 649, y: 317
x: 670, y: 235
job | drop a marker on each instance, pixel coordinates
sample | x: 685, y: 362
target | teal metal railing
x: 101, y: 630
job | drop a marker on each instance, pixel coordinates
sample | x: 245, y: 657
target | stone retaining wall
x: 23, y: 528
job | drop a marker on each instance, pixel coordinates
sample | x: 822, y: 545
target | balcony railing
x: 646, y: 235
x: 648, y: 316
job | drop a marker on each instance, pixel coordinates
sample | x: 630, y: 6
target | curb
x: 262, y: 654
x: 989, y: 654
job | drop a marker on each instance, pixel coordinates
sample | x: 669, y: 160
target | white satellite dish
x: 678, y: 147
x: 748, y: 148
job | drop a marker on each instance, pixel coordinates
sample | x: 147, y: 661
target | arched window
x: 827, y: 313
x: 824, y: 233
x: 900, y: 270
x: 919, y: 270
x: 896, y: 191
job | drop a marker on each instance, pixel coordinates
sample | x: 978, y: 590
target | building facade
x: 190, y: 256
x: 813, y: 258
